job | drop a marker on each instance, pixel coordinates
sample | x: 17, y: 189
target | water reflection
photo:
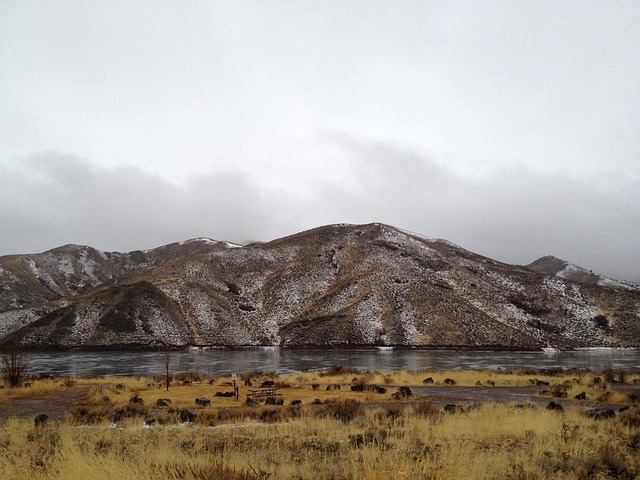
x: 290, y: 360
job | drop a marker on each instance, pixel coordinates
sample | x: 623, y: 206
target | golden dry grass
x: 337, y: 439
x: 493, y: 442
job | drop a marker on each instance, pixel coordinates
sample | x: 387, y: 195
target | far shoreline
x: 342, y: 347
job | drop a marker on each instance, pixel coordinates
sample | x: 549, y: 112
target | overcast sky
x: 509, y: 128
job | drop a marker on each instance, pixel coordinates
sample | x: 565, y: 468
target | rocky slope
x: 335, y: 285
x: 27, y: 280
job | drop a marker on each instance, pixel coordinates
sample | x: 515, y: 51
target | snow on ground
x: 504, y: 281
x: 608, y: 282
x: 12, y: 320
x: 9, y: 277
x: 85, y: 323
x: 43, y: 276
x: 88, y: 265
x: 554, y: 285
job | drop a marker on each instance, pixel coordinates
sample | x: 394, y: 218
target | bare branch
x: 14, y: 364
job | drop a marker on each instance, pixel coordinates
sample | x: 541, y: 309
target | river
x: 291, y: 360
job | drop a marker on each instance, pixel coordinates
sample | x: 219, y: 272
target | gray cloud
x: 513, y: 215
x: 52, y: 199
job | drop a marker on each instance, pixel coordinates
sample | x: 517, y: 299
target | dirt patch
x: 55, y: 404
x: 443, y: 395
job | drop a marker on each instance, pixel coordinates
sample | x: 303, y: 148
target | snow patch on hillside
x: 44, y: 277
x: 85, y: 323
x: 504, y: 281
x: 608, y: 282
x: 554, y: 285
x: 12, y: 320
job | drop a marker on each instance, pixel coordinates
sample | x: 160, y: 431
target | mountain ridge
x: 340, y: 284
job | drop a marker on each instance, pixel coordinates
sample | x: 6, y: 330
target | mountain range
x: 347, y: 285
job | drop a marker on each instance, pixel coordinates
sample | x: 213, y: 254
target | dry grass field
x: 113, y: 427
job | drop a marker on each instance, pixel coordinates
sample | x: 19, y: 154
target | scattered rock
x: 224, y: 394
x: 41, y: 420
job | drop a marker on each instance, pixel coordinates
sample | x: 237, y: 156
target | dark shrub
x: 14, y: 363
x: 634, y: 396
x: 344, y: 411
x: 207, y: 472
x: 89, y: 415
x: 338, y: 370
x: 403, y: 392
x: 426, y: 408
x: 601, y: 322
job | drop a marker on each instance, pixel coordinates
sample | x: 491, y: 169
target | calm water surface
x: 291, y: 360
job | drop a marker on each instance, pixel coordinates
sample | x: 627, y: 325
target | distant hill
x: 335, y: 285
x: 27, y: 280
x: 551, y: 265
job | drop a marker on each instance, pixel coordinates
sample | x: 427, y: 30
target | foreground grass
x: 346, y: 435
x: 339, y: 442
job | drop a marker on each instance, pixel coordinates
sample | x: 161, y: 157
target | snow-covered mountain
x: 551, y: 265
x: 335, y: 285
